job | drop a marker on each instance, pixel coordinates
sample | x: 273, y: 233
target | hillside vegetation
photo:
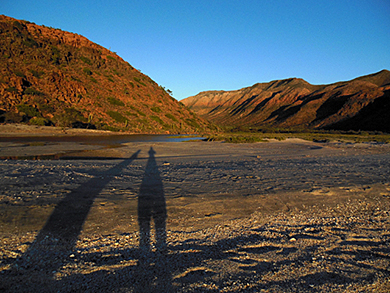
x: 294, y: 104
x: 52, y: 77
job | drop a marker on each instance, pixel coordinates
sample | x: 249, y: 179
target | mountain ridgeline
x: 52, y: 77
x: 360, y: 104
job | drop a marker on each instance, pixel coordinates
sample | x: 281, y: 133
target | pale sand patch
x: 7, y: 130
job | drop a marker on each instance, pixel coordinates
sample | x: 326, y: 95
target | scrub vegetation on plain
x: 250, y: 135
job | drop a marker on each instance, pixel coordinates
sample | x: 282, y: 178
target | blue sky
x: 190, y: 46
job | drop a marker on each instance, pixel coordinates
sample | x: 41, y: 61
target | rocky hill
x: 52, y: 77
x: 359, y: 104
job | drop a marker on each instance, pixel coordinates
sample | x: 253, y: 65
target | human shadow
x: 55, y: 243
x: 151, y: 205
x: 152, y: 265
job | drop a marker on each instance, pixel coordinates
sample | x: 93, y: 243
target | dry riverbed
x: 290, y: 216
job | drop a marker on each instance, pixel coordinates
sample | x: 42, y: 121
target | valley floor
x: 290, y: 216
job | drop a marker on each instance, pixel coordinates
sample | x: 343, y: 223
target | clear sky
x: 190, y: 46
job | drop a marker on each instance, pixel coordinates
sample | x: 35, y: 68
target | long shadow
x: 188, y: 260
x: 152, y: 206
x: 56, y: 241
x: 152, y: 272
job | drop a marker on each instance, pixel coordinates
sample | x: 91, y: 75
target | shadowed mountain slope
x: 360, y: 104
x: 49, y: 76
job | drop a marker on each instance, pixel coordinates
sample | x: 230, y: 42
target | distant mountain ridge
x: 359, y: 104
x: 49, y: 76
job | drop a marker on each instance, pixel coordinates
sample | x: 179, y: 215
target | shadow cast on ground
x: 188, y: 265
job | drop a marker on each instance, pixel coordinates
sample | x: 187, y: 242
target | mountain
x: 52, y: 77
x: 360, y: 104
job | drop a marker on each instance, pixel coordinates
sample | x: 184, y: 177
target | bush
x: 12, y: 117
x: 158, y: 120
x: 170, y: 116
x: 33, y: 92
x: 128, y: 113
x: 87, y: 71
x: 12, y: 89
x: 86, y: 60
x: 193, y: 123
x: 39, y: 121
x: 118, y: 117
x: 37, y: 74
x: 18, y: 25
x: 156, y: 109
x: 29, y: 110
x: 46, y: 108
x: 56, y: 55
x: 115, y: 102
x: 139, y: 81
x: 138, y: 111
x: 109, y: 128
x: 20, y: 74
x: 70, y: 117
x: 29, y: 42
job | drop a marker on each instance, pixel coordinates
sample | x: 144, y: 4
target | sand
x: 290, y: 216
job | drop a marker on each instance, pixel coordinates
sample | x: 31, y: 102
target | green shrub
x: 20, y: 74
x: 118, y: 117
x: 29, y: 110
x: 156, y: 109
x: 39, y: 121
x: 33, y: 92
x: 37, y: 74
x: 192, y: 122
x: 86, y: 60
x: 12, y: 89
x: 109, y: 128
x: 128, y: 113
x: 170, y: 116
x: 56, y: 55
x: 46, y: 108
x: 87, y: 71
x: 12, y: 117
x: 138, y: 111
x: 75, y: 79
x: 69, y: 117
x: 157, y: 119
x: 115, y: 102
x: 18, y: 25
x: 29, y: 42
x: 139, y: 81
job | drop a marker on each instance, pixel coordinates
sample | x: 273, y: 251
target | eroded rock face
x: 64, y: 79
x: 362, y: 103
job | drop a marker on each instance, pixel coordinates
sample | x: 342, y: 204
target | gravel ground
x: 287, y: 216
